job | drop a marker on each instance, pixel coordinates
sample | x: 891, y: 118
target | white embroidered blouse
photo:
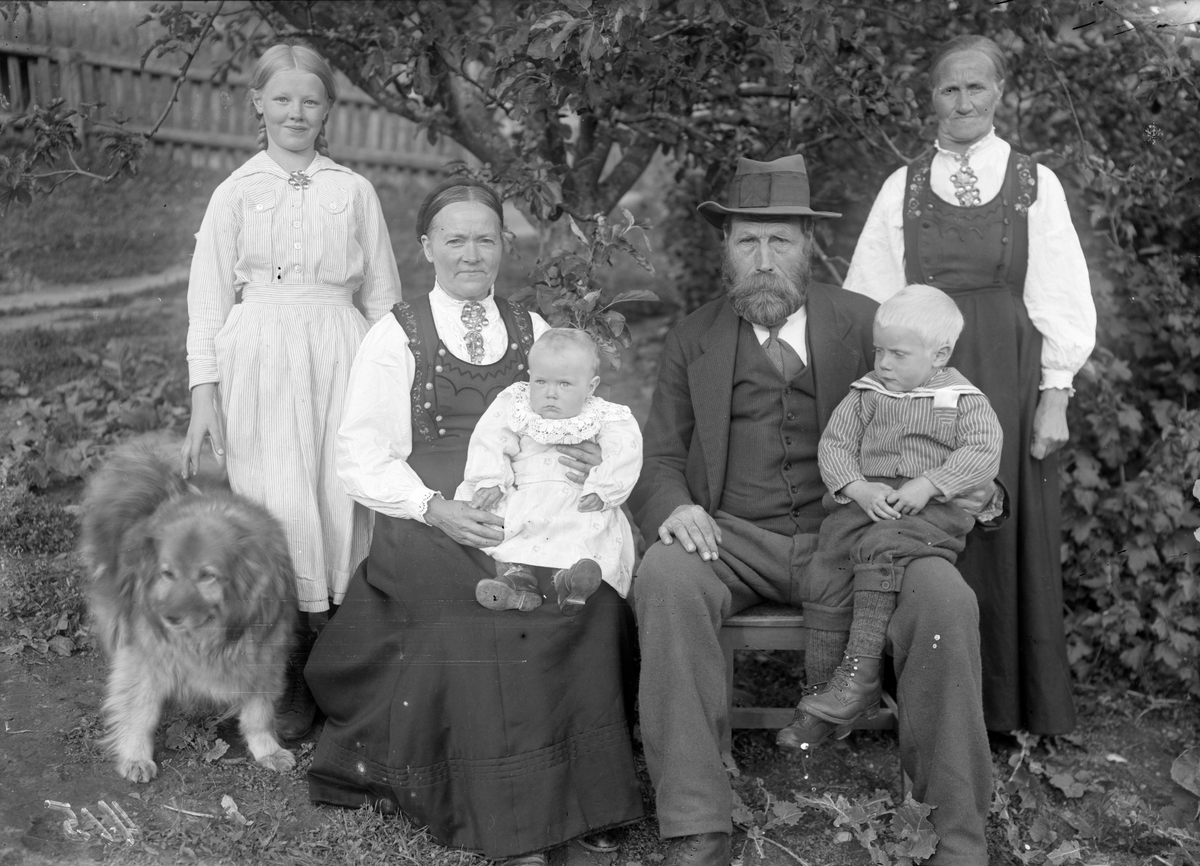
x: 261, y: 230
x: 375, y: 438
x: 1057, y: 289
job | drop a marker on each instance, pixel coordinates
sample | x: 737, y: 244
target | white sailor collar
x: 523, y: 421
x: 986, y: 143
x: 943, y: 384
x: 263, y: 163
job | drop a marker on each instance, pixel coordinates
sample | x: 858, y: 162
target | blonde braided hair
x: 283, y: 58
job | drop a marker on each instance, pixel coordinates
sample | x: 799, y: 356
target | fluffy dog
x: 192, y: 596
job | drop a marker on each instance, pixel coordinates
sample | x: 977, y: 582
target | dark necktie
x: 783, y: 356
x: 474, y: 317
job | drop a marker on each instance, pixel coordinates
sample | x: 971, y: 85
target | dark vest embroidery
x: 416, y: 318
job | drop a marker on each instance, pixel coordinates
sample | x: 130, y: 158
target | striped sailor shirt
x: 945, y: 430
x: 261, y: 230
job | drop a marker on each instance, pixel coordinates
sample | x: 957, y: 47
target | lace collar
x: 523, y: 421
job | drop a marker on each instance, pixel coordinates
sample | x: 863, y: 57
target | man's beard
x: 767, y: 299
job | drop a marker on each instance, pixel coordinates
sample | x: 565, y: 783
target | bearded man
x: 731, y: 491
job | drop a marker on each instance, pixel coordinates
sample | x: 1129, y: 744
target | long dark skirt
x: 503, y: 732
x: 1016, y: 571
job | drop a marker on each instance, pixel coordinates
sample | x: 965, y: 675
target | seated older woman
x: 504, y: 732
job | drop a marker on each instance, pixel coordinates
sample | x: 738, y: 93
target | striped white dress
x: 281, y: 357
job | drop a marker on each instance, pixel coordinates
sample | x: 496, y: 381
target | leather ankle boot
x: 703, y: 849
x: 575, y: 585
x: 513, y: 588
x: 296, y: 709
x: 805, y: 731
x: 854, y: 690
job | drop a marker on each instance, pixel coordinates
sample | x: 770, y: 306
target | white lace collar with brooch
x: 523, y: 421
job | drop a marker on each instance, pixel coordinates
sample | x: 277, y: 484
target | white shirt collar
x: 443, y: 298
x: 984, y: 143
x: 793, y: 332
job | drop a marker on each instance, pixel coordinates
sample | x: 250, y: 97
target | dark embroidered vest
x: 771, y: 475
x: 968, y: 249
x: 449, y: 395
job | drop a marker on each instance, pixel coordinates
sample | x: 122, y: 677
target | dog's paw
x: 281, y: 761
x: 136, y: 770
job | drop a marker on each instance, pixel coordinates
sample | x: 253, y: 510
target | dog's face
x: 194, y: 582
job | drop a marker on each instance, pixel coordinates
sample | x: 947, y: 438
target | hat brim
x: 715, y: 213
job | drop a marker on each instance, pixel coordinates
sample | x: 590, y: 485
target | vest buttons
x: 1003, y: 240
x: 428, y: 405
x: 926, y: 224
x: 787, y: 467
x: 793, y: 488
x: 1006, y: 220
x: 791, y: 416
x: 788, y: 390
x: 787, y: 440
x: 795, y: 512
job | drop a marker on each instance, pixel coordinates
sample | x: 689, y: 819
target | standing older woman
x: 504, y: 732
x: 982, y: 222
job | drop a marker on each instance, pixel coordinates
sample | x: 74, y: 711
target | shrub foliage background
x: 566, y: 102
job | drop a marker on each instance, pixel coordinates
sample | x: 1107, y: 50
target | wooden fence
x: 211, y: 122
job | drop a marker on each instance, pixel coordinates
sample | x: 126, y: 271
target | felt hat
x: 766, y: 189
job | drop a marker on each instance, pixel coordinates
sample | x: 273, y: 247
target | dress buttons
x: 296, y: 224
x: 295, y: 204
x: 885, y: 584
x: 296, y: 268
x: 296, y: 245
x: 428, y: 405
x: 1003, y: 240
x: 258, y: 207
x: 1006, y: 220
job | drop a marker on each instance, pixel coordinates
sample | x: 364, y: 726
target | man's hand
x: 580, y: 459
x: 1050, y: 423
x: 913, y: 495
x: 872, y: 497
x: 591, y: 502
x: 486, y: 498
x: 463, y: 523
x: 695, y: 529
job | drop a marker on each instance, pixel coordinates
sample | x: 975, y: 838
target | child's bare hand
x: 591, y: 502
x: 873, y: 498
x: 486, y: 498
x: 913, y: 495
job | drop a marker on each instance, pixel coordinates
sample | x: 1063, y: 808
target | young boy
x: 910, y: 458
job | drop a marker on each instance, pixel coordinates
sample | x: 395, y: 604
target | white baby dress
x: 513, y: 448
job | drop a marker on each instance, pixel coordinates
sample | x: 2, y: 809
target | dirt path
x: 87, y: 303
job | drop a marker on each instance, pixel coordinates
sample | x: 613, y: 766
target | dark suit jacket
x: 687, y: 434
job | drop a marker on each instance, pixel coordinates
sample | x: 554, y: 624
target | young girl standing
x: 296, y: 236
